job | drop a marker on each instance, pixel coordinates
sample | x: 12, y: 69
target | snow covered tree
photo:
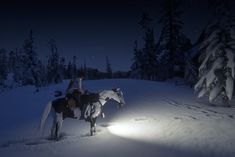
x: 192, y: 61
x: 172, y: 43
x: 29, y: 61
x: 217, y: 69
x: 3, y: 66
x: 108, y: 68
x: 53, y: 75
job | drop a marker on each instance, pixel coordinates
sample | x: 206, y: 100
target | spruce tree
x: 136, y: 67
x: 53, y: 75
x: 29, y: 61
x: 108, y: 68
x: 41, y: 76
x: 172, y: 43
x: 3, y: 66
x: 86, y: 71
x: 62, y: 68
x: 149, y: 63
x: 74, y: 67
x: 69, y: 71
x: 191, y: 66
x: 18, y: 67
x: 12, y: 61
x: 217, y: 69
x: 145, y: 59
x: 192, y: 61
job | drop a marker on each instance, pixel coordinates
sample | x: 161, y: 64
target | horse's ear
x: 116, y: 89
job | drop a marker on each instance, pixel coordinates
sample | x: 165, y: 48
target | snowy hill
x: 160, y: 119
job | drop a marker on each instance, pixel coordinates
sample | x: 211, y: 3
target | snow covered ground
x: 159, y: 119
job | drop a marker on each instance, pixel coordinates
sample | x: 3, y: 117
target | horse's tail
x: 45, y: 114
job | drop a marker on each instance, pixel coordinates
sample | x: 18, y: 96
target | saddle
x: 90, y: 98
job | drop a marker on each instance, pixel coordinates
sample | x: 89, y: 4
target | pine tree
x: 191, y: 66
x: 145, y: 60
x: 18, y: 67
x: 85, y: 71
x: 149, y: 63
x: 136, y: 67
x: 12, y: 61
x: 29, y: 61
x: 74, y: 67
x: 69, y: 71
x: 217, y: 69
x: 172, y: 43
x: 3, y: 66
x: 40, y: 76
x: 62, y: 68
x: 108, y: 68
x: 191, y: 61
x: 53, y: 75
x: 149, y: 58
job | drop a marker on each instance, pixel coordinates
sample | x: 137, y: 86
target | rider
x: 76, y: 83
x: 75, y: 90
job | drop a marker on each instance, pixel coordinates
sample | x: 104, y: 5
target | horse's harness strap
x: 106, y: 99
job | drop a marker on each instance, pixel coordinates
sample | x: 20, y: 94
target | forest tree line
x: 208, y: 65
x: 24, y: 67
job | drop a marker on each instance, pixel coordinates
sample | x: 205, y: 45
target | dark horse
x: 62, y: 108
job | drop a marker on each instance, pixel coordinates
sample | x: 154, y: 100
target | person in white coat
x: 76, y: 83
x: 75, y: 90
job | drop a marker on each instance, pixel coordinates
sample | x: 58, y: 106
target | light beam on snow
x: 142, y: 130
x: 125, y: 129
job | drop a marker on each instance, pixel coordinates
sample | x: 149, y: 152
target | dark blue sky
x: 91, y: 30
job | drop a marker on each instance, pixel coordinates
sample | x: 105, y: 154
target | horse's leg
x: 95, y: 114
x: 92, y: 123
x: 59, y: 122
x: 57, y: 131
x: 53, y: 128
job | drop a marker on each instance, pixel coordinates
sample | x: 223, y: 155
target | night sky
x: 91, y: 30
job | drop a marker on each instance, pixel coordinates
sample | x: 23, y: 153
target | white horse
x: 60, y: 110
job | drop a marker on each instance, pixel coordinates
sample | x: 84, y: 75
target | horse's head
x: 118, y: 96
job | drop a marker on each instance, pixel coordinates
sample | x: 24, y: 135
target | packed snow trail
x: 160, y: 119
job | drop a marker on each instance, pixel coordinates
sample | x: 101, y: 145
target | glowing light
x: 138, y: 130
x: 125, y: 129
